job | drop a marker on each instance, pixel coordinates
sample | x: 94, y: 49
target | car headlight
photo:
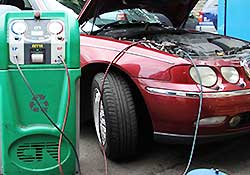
x: 230, y: 74
x: 208, y: 76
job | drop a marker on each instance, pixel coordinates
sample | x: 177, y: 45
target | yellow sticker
x: 37, y: 46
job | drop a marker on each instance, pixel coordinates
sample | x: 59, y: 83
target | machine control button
x: 17, y: 38
x: 37, y: 58
x: 60, y: 38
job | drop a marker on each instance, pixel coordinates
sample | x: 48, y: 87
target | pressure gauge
x: 18, y: 28
x: 55, y: 27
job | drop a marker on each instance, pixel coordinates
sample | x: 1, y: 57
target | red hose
x: 116, y: 58
x: 65, y: 118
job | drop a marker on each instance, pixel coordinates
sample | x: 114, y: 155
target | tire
x: 118, y: 120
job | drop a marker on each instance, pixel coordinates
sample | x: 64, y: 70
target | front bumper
x: 188, y: 139
x: 176, y: 112
x: 196, y: 94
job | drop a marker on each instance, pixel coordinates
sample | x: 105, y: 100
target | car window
x: 135, y: 15
x: 75, y: 5
x: 21, y: 4
x: 27, y: 4
x: 125, y: 16
x: 138, y: 15
x: 131, y: 15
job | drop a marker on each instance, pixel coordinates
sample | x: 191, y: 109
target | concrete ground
x: 232, y: 157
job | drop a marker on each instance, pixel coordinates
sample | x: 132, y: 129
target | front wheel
x: 116, y: 120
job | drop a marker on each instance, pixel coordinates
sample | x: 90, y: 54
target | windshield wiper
x: 121, y: 22
x: 110, y: 25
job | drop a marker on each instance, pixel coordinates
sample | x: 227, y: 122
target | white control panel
x: 36, y: 41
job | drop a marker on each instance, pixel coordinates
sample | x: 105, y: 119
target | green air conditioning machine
x: 38, y: 41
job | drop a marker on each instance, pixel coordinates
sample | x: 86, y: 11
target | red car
x: 153, y: 89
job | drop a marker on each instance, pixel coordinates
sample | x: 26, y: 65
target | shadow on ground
x: 231, y: 156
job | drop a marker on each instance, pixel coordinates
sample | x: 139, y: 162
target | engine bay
x: 174, y: 41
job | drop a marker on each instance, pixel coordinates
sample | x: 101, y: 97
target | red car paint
x: 170, y: 114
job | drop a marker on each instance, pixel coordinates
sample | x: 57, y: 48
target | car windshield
x: 75, y: 5
x: 124, y: 16
x: 127, y: 15
x: 131, y: 15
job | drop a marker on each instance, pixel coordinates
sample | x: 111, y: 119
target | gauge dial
x: 18, y: 28
x: 55, y: 27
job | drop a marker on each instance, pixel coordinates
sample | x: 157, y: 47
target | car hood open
x: 176, y: 10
